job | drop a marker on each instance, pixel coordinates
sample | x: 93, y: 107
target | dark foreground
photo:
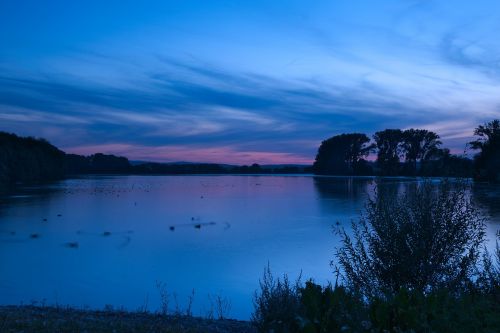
x: 56, y: 319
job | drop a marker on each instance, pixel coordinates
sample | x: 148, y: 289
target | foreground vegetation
x: 309, y: 307
x: 415, y: 261
x: 69, y: 320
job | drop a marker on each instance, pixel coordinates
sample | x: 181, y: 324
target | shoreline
x: 30, y: 318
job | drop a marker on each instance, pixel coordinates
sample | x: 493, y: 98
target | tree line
x: 28, y: 159
x: 412, y: 152
x: 110, y: 164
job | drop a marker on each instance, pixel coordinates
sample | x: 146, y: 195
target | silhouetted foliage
x: 76, y: 164
x: 389, y: 149
x: 343, y: 155
x: 178, y: 169
x: 332, y: 309
x: 277, y: 304
x: 412, y: 264
x: 282, y: 307
x: 27, y: 159
x: 254, y: 168
x: 426, y: 238
x: 210, y: 168
x: 439, y: 311
x: 489, y: 272
x: 487, y: 162
x: 419, y: 147
x: 96, y: 164
x: 101, y: 163
x: 445, y: 164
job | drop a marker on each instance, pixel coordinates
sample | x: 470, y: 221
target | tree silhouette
x: 487, y: 162
x: 101, y: 163
x: 27, y: 159
x: 343, y: 155
x: 419, y: 146
x: 96, y: 163
x: 389, y: 147
x: 443, y: 163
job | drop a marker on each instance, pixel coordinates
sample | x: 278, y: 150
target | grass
x: 64, y: 319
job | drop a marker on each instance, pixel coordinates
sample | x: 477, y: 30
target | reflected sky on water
x: 103, y: 240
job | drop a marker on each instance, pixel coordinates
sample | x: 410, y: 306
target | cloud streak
x: 193, y: 90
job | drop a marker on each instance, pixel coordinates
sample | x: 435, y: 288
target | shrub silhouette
x: 426, y: 238
x: 277, y: 304
x: 414, y: 262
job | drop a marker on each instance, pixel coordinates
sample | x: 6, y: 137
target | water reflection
x: 487, y: 196
x: 108, y: 240
x: 339, y: 195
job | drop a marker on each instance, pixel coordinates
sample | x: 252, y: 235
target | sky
x: 244, y: 82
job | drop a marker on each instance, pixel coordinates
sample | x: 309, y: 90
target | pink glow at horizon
x: 222, y: 155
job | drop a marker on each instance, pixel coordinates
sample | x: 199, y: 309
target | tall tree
x: 419, y: 145
x: 487, y: 161
x: 389, y: 145
x: 343, y: 155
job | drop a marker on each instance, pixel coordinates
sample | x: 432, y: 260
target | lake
x: 109, y: 240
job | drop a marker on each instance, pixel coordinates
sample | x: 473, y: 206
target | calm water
x: 226, y: 230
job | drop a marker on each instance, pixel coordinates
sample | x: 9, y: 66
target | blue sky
x: 244, y: 81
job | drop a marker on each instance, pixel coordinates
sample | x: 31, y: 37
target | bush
x: 277, y: 305
x: 414, y: 263
x: 330, y: 309
x: 282, y: 307
x: 440, y: 311
x: 338, y: 309
x: 489, y: 271
x: 425, y: 238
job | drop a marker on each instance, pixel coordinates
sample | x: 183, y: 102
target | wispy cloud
x: 213, y: 111
x: 253, y: 81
